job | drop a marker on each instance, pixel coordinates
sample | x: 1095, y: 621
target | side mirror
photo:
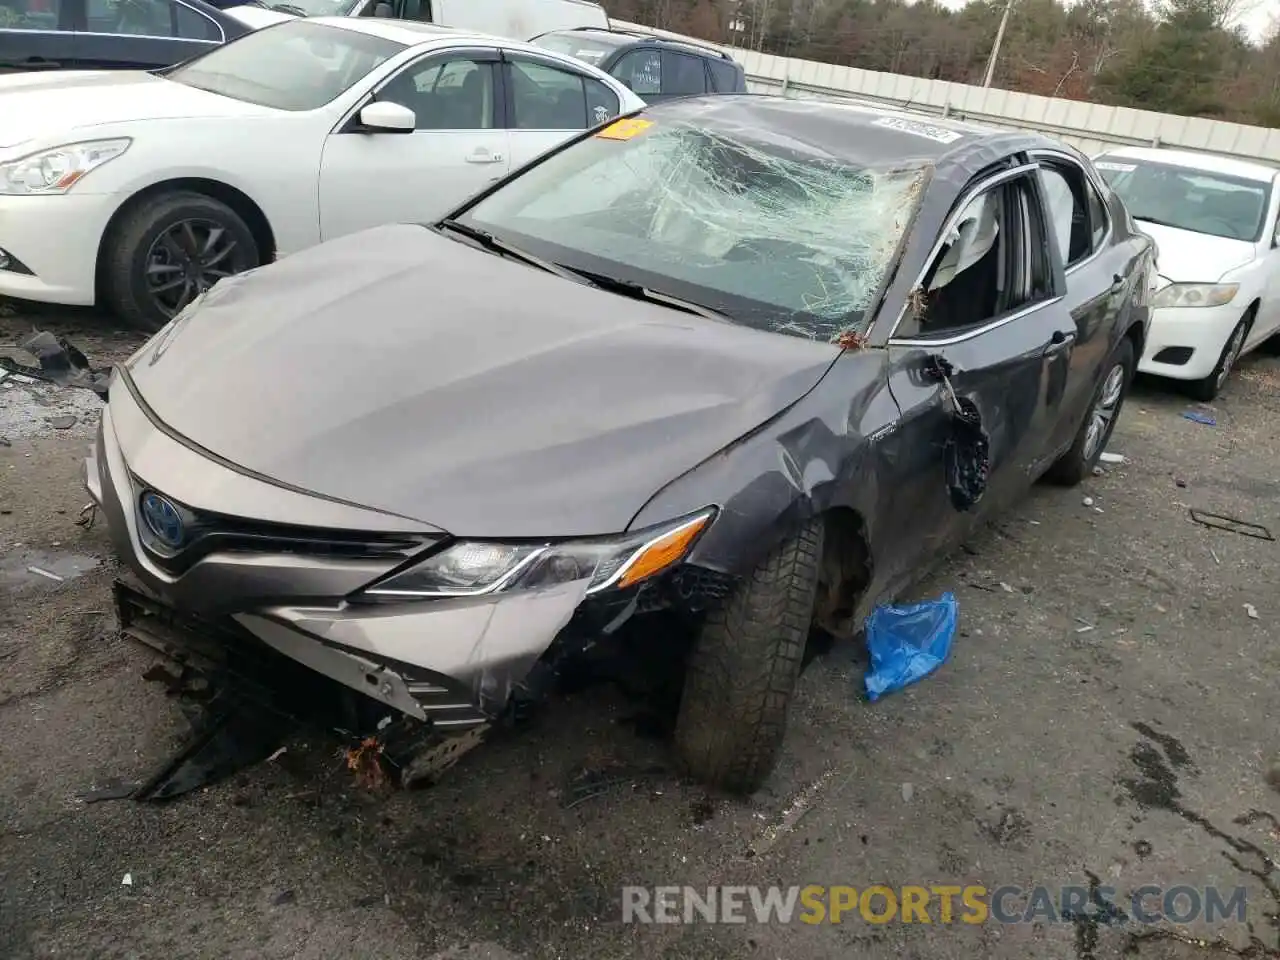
x: 382, y: 10
x: 385, y: 116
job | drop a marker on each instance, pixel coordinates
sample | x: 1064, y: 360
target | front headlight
x: 57, y: 170
x: 1195, y: 295
x: 474, y: 568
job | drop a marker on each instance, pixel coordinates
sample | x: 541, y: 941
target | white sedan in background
x: 139, y: 190
x: 1213, y: 219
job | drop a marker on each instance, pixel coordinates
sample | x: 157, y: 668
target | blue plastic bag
x: 908, y: 642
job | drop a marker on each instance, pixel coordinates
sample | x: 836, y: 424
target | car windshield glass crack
x: 770, y: 234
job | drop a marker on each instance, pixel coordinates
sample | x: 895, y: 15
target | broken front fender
x: 483, y: 646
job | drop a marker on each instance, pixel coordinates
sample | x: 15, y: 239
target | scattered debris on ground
x: 23, y: 567
x: 1231, y: 524
x: 909, y: 642
x: 57, y: 361
x: 365, y: 761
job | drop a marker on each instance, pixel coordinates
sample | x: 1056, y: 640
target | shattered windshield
x: 1189, y: 199
x: 757, y: 228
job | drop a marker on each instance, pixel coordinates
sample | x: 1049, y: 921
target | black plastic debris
x: 243, y: 700
x: 229, y: 734
x: 1232, y: 525
x: 111, y: 790
x: 967, y: 453
x: 60, y: 362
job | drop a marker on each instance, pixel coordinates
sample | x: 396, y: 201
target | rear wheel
x: 168, y: 250
x: 743, y: 668
x: 1209, y: 388
x: 1078, y: 462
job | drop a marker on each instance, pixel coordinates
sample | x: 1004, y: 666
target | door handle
x: 484, y: 156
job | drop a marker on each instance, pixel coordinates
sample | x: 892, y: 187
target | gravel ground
x: 1107, y: 713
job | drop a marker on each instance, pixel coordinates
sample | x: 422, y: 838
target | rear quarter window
x: 683, y: 74
x: 724, y: 76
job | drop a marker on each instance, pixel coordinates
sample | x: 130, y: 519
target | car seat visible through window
x: 967, y: 279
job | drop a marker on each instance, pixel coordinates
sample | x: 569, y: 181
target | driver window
x: 452, y: 94
x: 991, y: 263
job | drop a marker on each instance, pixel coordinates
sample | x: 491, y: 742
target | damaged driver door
x: 968, y: 362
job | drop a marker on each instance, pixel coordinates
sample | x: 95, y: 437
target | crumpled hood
x: 39, y: 104
x: 405, y: 371
x: 1190, y: 257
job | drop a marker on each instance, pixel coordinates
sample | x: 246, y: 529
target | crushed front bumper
x: 455, y: 663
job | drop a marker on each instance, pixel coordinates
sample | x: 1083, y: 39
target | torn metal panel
x: 816, y: 456
x: 487, y: 645
x: 360, y: 674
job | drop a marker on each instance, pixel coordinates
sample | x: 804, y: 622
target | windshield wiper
x: 638, y: 291
x: 1158, y: 222
x: 489, y: 241
x: 293, y: 8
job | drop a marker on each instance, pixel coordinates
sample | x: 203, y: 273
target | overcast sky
x: 1255, y: 15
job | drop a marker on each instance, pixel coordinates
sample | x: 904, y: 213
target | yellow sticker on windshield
x: 625, y: 129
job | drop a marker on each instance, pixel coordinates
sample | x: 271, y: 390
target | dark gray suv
x: 655, y: 68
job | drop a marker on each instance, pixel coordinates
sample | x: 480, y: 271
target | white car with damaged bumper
x: 139, y: 190
x: 1214, y: 222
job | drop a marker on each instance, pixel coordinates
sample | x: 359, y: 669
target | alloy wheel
x: 1104, y: 411
x: 188, y: 258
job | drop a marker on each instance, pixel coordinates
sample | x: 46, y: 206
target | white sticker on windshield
x: 1117, y: 167
x: 940, y: 134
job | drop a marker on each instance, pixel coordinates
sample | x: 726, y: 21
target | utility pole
x: 995, y: 48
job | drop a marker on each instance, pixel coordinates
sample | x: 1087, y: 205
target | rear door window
x: 550, y: 98
x: 724, y: 76
x: 30, y: 14
x: 149, y: 18
x: 683, y: 75
x: 1097, y: 214
x: 641, y: 70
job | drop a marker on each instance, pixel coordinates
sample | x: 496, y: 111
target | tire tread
x: 743, y: 668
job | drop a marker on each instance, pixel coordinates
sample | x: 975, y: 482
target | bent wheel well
x: 1251, y: 314
x: 1134, y: 333
x: 846, y: 572
x: 240, y: 202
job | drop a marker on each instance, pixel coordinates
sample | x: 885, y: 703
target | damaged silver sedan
x: 753, y: 360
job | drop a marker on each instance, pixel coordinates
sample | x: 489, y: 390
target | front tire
x: 743, y: 668
x: 1099, y: 423
x: 169, y: 249
x: 1208, y: 389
